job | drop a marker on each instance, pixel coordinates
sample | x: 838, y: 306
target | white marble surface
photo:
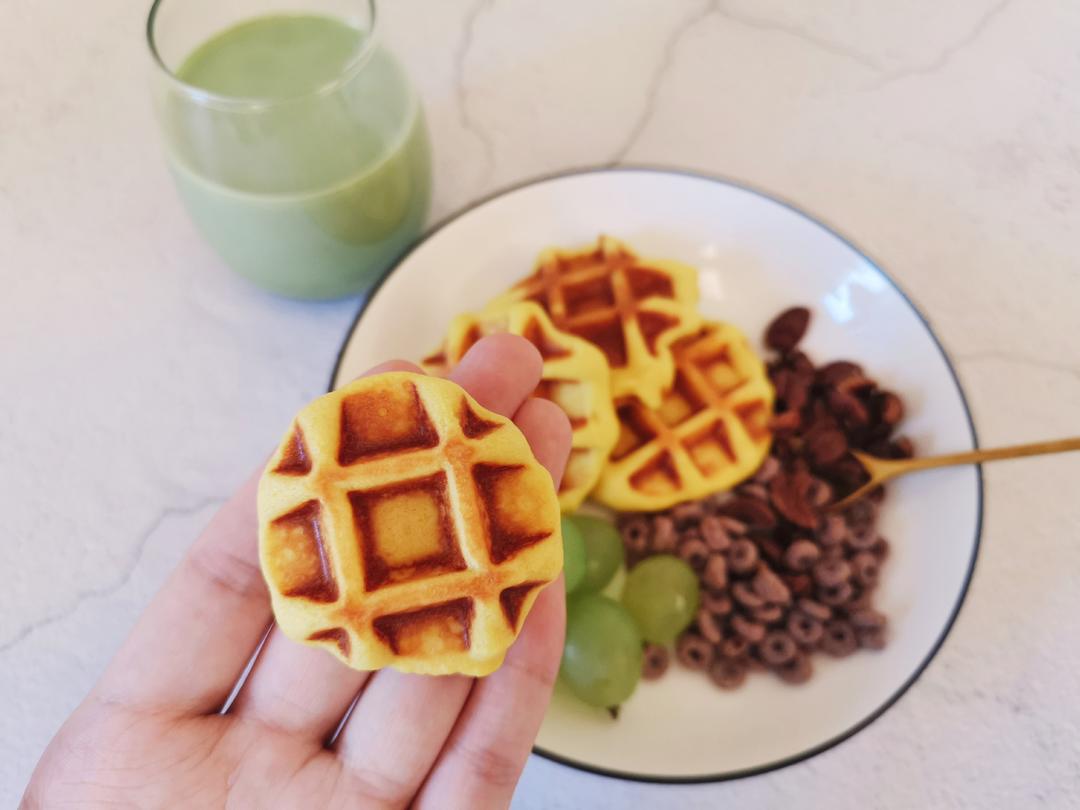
x: 140, y: 380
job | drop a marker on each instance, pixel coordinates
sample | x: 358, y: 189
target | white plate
x: 756, y: 256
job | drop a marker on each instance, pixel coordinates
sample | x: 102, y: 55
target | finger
x: 500, y: 372
x: 547, y: 428
x: 487, y: 749
x: 400, y: 723
x: 396, y: 731
x: 297, y: 689
x: 198, y: 633
x: 300, y: 689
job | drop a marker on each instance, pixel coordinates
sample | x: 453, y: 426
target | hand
x: 151, y: 732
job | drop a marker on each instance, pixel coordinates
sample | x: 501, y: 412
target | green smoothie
x: 308, y: 168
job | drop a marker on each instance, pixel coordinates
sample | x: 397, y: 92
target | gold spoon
x: 884, y: 469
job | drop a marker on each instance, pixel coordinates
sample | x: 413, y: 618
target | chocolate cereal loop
x: 801, y: 555
x: 715, y: 575
x: 654, y: 661
x: 743, y: 557
x: 804, y: 629
x: 777, y: 648
x: 839, y: 639
x: 709, y: 627
x: 728, y: 673
x: 694, y: 552
x: 797, y: 670
x: 693, y: 651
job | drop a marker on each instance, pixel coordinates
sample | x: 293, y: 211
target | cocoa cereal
x: 768, y: 614
x: 654, y: 661
x: 717, y: 603
x: 833, y: 532
x: 751, y: 631
x: 746, y: 596
x: 709, y: 627
x: 839, y: 639
x: 867, y: 619
x: 693, y: 651
x: 687, y: 514
x: 871, y: 638
x: 836, y: 595
x: 743, y: 556
x: 830, y: 573
x: 864, y: 566
x: 694, y: 552
x: 806, y: 630
x: 665, y: 537
x: 777, y: 648
x: 735, y: 528
x: 815, y: 610
x: 635, y: 534
x: 728, y: 673
x: 801, y: 555
x: 715, y: 535
x: 796, y: 671
x: 734, y: 647
x: 714, y: 575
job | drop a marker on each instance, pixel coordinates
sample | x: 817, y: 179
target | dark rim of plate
x: 892, y: 699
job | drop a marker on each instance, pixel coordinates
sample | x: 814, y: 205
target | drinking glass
x: 308, y: 177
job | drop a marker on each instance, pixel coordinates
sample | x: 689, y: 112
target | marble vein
x: 461, y: 56
x: 656, y: 80
x: 802, y: 34
x: 715, y: 7
x: 949, y: 53
x: 126, y: 573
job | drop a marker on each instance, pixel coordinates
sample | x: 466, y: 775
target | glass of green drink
x: 296, y: 140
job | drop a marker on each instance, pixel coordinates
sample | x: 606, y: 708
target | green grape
x: 603, y: 551
x: 601, y: 660
x: 661, y: 593
x: 573, y: 555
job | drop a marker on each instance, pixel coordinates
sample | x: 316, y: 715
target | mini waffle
x: 709, y: 432
x: 631, y: 309
x: 402, y: 524
x: 575, y: 377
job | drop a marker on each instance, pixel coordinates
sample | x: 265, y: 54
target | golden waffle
x: 402, y: 524
x: 709, y: 433
x: 575, y: 377
x: 632, y: 309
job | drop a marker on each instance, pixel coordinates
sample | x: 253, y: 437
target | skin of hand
x: 151, y: 732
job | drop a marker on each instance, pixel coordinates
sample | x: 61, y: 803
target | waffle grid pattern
x: 709, y: 432
x: 403, y: 524
x: 631, y: 309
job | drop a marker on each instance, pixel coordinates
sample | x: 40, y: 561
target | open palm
x: 152, y: 732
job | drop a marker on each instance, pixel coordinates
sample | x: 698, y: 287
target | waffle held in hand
x: 403, y: 524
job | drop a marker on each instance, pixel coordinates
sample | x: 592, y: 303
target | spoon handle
x: 994, y: 454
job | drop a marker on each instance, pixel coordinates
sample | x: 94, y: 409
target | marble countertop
x: 140, y: 380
